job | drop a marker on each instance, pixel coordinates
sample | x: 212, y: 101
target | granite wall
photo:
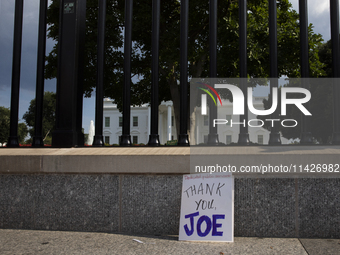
x: 150, y: 204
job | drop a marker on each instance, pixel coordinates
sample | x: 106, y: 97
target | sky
x: 318, y: 15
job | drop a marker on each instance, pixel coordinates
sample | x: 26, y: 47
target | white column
x: 160, y: 132
x: 149, y: 123
x: 169, y: 122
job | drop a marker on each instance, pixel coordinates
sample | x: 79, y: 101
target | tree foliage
x: 325, y: 55
x: 49, y: 106
x: 5, y: 126
x: 198, y: 49
x: 113, y: 44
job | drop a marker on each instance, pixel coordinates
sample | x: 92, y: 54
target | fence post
x: 154, y: 137
x: 334, y: 6
x: 38, y: 139
x: 212, y: 136
x: 125, y: 139
x: 68, y: 131
x: 306, y: 135
x: 243, y: 138
x: 98, y: 138
x: 183, y: 136
x: 13, y: 131
x: 274, y: 137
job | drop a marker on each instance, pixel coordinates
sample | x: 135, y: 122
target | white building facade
x: 140, y: 118
x: 140, y: 127
x: 228, y: 133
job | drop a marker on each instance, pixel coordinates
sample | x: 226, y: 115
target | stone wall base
x: 150, y: 204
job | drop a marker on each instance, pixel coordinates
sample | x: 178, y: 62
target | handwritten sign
x: 207, y: 208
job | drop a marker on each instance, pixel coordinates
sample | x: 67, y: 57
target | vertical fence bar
x: 80, y: 91
x: 334, y: 6
x: 126, y: 137
x: 274, y: 137
x: 154, y: 137
x: 183, y: 139
x: 304, y: 38
x: 98, y: 138
x: 70, y: 78
x: 273, y: 39
x: 243, y: 138
x: 306, y: 135
x: 13, y: 131
x: 213, y: 136
x: 38, y: 139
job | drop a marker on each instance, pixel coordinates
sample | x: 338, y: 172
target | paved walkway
x: 59, y: 242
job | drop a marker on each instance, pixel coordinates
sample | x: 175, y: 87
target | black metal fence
x: 72, y: 20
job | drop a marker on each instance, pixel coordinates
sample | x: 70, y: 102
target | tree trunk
x: 175, y: 94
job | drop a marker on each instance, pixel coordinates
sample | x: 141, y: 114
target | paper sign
x: 207, y: 208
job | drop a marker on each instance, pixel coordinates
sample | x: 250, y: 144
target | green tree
x: 113, y: 44
x: 325, y: 55
x: 324, y: 97
x: 198, y: 55
x: 5, y: 125
x: 49, y: 106
x: 22, y: 133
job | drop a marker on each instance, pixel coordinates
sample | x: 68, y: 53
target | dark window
x: 120, y: 121
x: 135, y: 121
x: 107, y: 121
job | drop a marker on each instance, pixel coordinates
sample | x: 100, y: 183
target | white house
x: 229, y: 132
x: 140, y: 128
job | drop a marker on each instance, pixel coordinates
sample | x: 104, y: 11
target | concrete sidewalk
x: 59, y: 242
